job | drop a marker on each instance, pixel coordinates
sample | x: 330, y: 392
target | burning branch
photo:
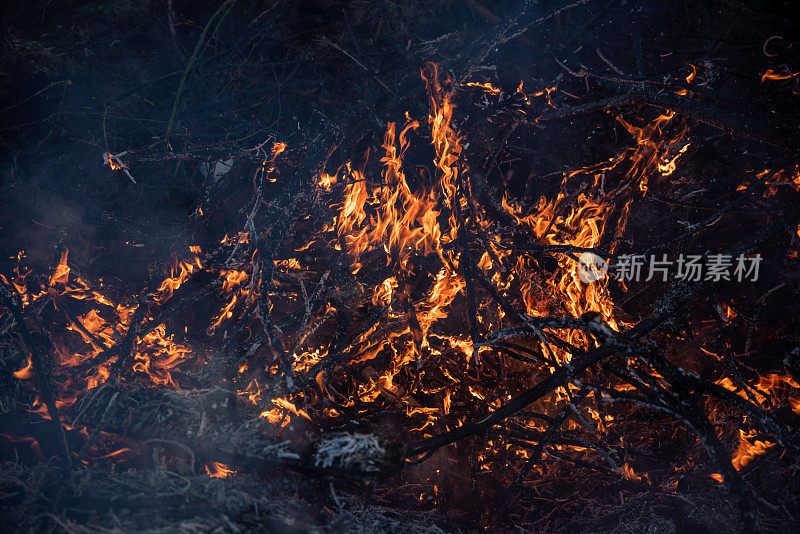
x: 41, y: 375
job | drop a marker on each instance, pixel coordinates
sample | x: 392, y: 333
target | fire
x: 690, y: 77
x: 252, y: 392
x: 61, y: 274
x: 118, y: 452
x: 629, y: 474
x: 306, y: 360
x: 18, y: 281
x: 112, y: 161
x: 668, y: 165
x: 219, y: 470
x: 275, y: 416
x: 384, y: 292
x: 769, y: 386
x: 407, y: 225
x: 232, y: 279
x: 241, y: 238
x: 326, y: 181
x: 772, y: 75
x: 748, y: 450
x: 33, y: 443
x: 651, y: 151
x: 486, y: 86
x: 279, y: 414
x: 726, y: 313
x: 178, y: 276
x: 286, y: 405
x: 157, y: 353
x: 26, y: 373
x: 543, y: 92
x: 291, y: 264
x: 225, y: 313
x: 432, y: 270
x: 278, y: 148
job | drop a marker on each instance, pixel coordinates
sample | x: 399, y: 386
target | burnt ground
x: 182, y: 85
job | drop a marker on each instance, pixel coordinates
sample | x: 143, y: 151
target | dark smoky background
x: 181, y: 84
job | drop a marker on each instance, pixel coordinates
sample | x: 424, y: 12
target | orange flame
x: 747, y: 450
x: 772, y: 75
x: 219, y: 470
x: 61, y: 274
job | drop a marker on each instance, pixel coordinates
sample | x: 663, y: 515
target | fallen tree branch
x: 42, y: 377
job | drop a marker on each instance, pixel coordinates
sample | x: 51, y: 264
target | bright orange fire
x: 218, y: 470
x: 427, y: 257
x: 772, y: 75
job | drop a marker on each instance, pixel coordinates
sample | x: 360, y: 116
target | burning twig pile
x: 387, y: 306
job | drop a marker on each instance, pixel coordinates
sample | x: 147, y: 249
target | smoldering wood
x: 216, y: 426
x: 42, y: 374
